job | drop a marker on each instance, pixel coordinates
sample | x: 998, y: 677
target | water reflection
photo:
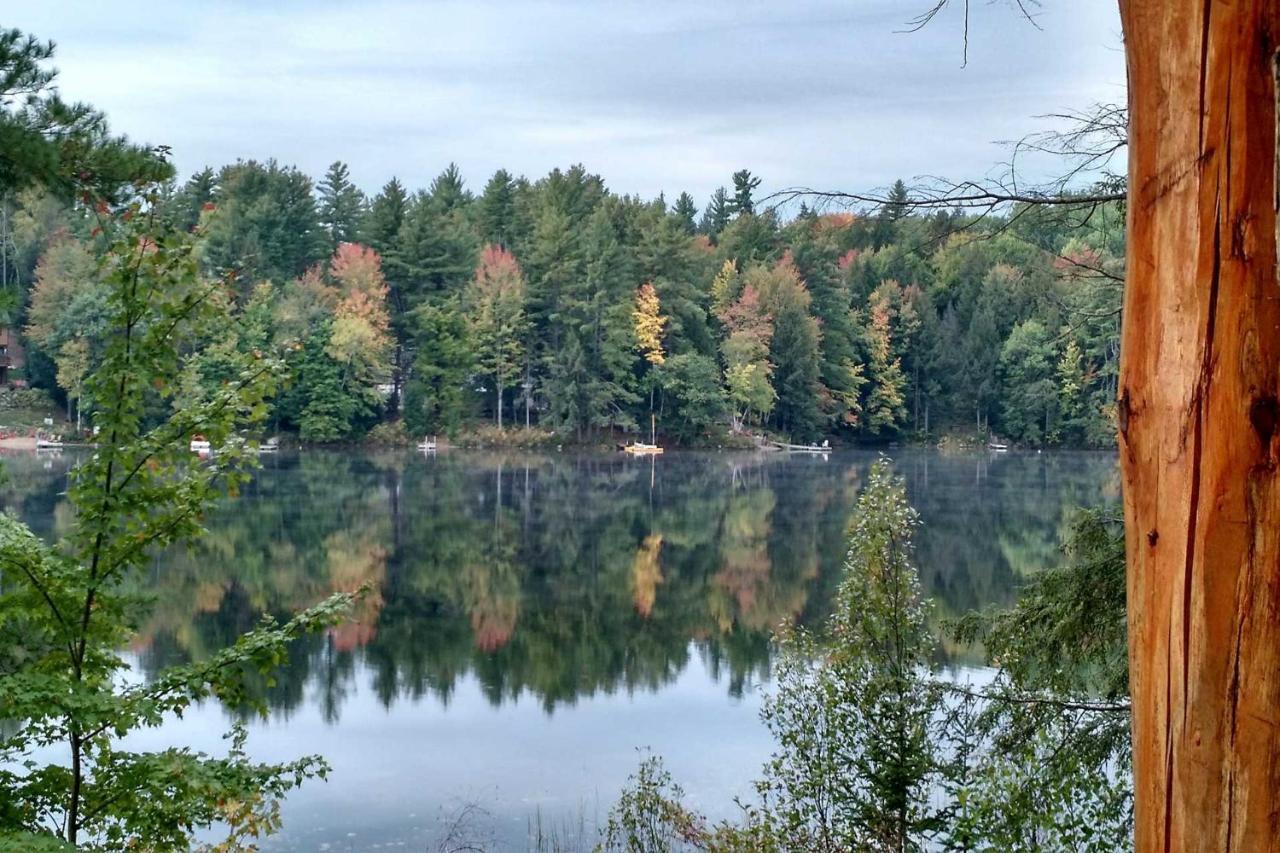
x: 568, y: 576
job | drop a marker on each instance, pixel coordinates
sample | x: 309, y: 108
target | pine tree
x: 497, y: 211
x: 64, y: 147
x: 435, y: 253
x: 448, y: 191
x: 435, y: 393
x: 685, y: 212
x: 744, y: 184
x: 717, y: 215
x: 380, y: 228
x: 341, y: 206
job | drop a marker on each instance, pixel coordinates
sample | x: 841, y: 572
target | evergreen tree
x: 685, y: 212
x: 434, y: 255
x: 435, y: 394
x: 718, y: 214
x: 743, y: 187
x: 188, y: 204
x: 64, y: 147
x: 380, y: 228
x: 894, y: 209
x: 265, y: 225
x: 341, y: 206
x: 448, y: 191
x: 497, y: 211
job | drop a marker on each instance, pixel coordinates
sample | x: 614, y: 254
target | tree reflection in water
x: 566, y: 575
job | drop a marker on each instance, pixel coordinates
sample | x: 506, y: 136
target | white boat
x: 201, y: 445
x: 48, y: 444
x: 428, y: 445
x: 998, y: 447
x: 271, y: 445
x: 637, y: 448
x: 824, y: 448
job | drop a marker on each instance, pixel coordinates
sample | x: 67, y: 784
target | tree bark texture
x: 1198, y: 416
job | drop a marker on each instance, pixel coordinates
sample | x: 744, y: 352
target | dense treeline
x: 555, y: 302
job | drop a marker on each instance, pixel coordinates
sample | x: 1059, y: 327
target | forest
x: 557, y: 304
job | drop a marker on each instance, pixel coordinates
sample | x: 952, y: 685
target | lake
x: 538, y: 619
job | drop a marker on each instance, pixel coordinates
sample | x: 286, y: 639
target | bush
x: 389, y: 434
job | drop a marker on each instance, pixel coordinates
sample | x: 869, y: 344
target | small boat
x: 271, y: 445
x: 428, y: 445
x: 639, y: 448
x: 48, y: 444
x: 201, y: 445
x: 823, y: 448
x: 998, y: 447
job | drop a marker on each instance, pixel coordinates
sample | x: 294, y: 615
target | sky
x: 654, y: 96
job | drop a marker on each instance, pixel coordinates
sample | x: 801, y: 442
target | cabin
x: 12, y: 357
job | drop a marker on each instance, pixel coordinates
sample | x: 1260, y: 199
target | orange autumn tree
x: 361, y: 336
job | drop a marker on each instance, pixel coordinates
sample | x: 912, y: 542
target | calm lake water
x: 537, y: 619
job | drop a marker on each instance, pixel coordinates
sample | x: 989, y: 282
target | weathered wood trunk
x: 1198, y: 416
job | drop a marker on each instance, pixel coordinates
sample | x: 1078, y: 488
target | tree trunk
x: 1197, y: 413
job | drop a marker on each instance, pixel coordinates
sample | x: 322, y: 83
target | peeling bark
x: 1198, y: 419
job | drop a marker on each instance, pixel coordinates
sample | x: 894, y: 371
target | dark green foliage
x: 322, y: 404
x: 64, y: 147
x: 693, y: 402
x: 341, y: 206
x: 496, y: 211
x: 381, y: 225
x: 685, y: 211
x: 436, y: 398
x: 265, y: 226
x: 744, y: 185
x: 435, y: 251
x: 717, y: 215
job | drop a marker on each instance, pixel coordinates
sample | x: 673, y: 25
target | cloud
x: 655, y: 96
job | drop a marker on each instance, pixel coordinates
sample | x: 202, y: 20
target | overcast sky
x: 654, y: 96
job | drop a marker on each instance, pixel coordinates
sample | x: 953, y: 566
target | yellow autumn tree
x: 649, y: 324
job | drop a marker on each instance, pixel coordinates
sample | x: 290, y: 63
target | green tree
x: 857, y: 758
x: 1028, y: 369
x: 744, y: 184
x: 685, y: 211
x: 341, y: 206
x: 64, y: 147
x: 436, y: 391
x: 448, y: 191
x: 718, y: 214
x: 68, y: 609
x: 265, y: 225
x: 380, y: 228
x: 496, y: 211
x: 693, y: 397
